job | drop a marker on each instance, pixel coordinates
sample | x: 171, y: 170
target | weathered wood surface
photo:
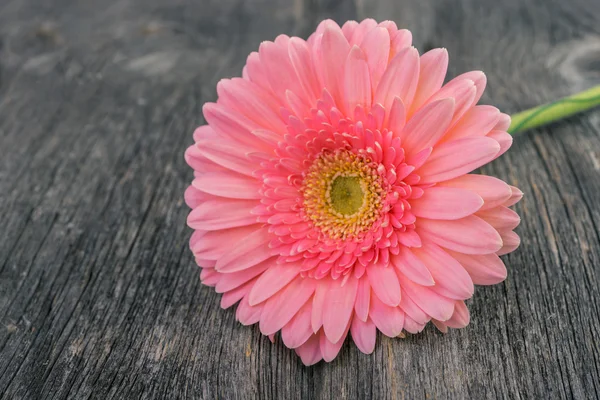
x: 99, y: 294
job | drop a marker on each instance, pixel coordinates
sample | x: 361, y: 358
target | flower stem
x: 555, y: 110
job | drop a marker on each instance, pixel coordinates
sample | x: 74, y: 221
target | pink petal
x: 360, y: 32
x: 376, y: 47
x: 272, y: 281
x: 234, y: 126
x: 233, y: 296
x: 501, y: 218
x: 411, y: 326
x: 310, y: 351
x: 248, y: 252
x: 329, y: 349
x: 434, y: 304
x: 463, y: 92
x: 338, y: 306
x: 227, y: 155
x: 251, y: 100
x: 451, y: 278
x: 515, y: 196
x: 399, y: 80
x: 510, y: 242
x: 458, y: 157
x: 232, y: 280
x: 298, y: 330
x: 363, y: 298
x: 433, y: 68
x: 412, y: 267
x: 478, y: 121
x: 413, y: 311
x: 397, y: 116
x: 318, y: 303
x: 357, y: 81
x: 470, y: 235
x: 442, y: 327
x: 485, y: 269
x: 334, y: 51
x: 364, y: 334
x: 256, y: 71
x: 503, y: 122
x: 301, y: 60
x: 493, y: 191
x: 284, y: 305
x: 389, y: 320
x: 384, y: 282
x: 222, y: 214
x: 504, y: 140
x: 427, y: 126
x: 446, y: 203
x: 461, y: 316
x: 400, y: 40
x: 228, y: 184
x: 409, y: 238
x: 209, y: 277
x: 213, y: 245
x: 247, y: 314
x: 279, y: 69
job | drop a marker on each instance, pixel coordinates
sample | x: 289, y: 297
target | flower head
x: 332, y: 191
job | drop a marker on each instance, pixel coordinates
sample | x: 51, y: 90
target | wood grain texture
x: 99, y: 294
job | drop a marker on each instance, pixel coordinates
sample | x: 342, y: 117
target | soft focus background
x: 99, y: 294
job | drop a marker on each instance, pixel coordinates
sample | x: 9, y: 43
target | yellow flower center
x: 343, y: 195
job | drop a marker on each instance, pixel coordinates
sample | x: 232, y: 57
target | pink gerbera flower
x: 332, y: 191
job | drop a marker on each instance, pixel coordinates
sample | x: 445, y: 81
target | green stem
x: 556, y: 110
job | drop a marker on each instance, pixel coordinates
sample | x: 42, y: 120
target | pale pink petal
x: 442, y: 327
x: 504, y: 140
x: 334, y: 51
x: 272, y: 281
x: 283, y: 306
x: 226, y: 155
x: 357, y: 81
x: 397, y: 116
x: 364, y: 335
x: 389, y: 320
x: 411, y: 326
x: 400, y: 40
x: 412, y: 267
x: 503, y: 122
x: 301, y: 60
x: 384, y: 282
x: 461, y: 316
x: 222, y: 214
x: 484, y: 269
x: 227, y: 184
x: 501, y: 218
x: 493, y: 191
x: 247, y: 252
x: 279, y: 69
x: 399, y: 80
x: 478, y: 121
x: 363, y: 299
x: 361, y: 31
x: 247, y: 314
x: 376, y: 47
x: 348, y: 29
x: 232, y: 280
x: 413, y: 311
x: 298, y: 330
x: 463, y: 91
x: 338, y: 307
x: 251, y: 100
x: 510, y: 242
x: 212, y: 245
x: 233, y: 296
x: 433, y: 68
x: 515, y: 196
x: 446, y: 203
x: 470, y: 235
x: 329, y: 349
x: 434, y: 304
x: 427, y: 126
x: 453, y: 159
x: 310, y: 351
x: 318, y: 303
x: 451, y: 278
x: 209, y: 277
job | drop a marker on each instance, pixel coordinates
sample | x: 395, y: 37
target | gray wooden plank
x: 99, y: 296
